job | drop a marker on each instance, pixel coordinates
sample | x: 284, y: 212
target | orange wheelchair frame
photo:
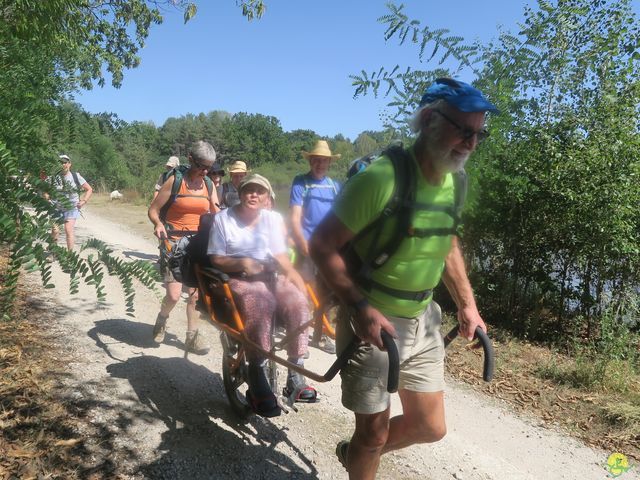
x: 320, y: 320
x: 223, y: 314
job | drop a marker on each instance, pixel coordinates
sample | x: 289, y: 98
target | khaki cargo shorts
x: 421, y: 353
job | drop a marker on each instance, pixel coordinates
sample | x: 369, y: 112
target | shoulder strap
x: 400, y: 204
x: 333, y: 185
x: 307, y: 186
x: 76, y: 179
x: 209, y: 183
x: 178, y: 174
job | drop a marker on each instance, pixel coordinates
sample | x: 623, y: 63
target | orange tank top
x: 184, y: 213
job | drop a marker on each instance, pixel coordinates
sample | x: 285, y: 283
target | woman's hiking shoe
x: 325, y: 344
x: 259, y: 395
x: 297, y: 389
x: 342, y: 449
x: 195, y: 343
x: 160, y: 328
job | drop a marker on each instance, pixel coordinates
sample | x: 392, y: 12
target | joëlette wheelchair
x: 217, y: 300
x: 220, y: 304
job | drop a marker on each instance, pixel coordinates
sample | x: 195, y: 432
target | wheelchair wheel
x: 234, y: 376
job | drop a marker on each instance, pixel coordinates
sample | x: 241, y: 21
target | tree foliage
x: 48, y: 49
x: 552, y: 226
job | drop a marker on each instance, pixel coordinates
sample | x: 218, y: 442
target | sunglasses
x: 464, y: 132
x: 200, y: 166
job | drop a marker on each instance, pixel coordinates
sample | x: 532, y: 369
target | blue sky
x: 293, y: 64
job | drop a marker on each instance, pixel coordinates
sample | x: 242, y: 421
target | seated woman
x: 242, y: 240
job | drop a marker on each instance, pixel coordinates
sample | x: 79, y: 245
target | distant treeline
x: 114, y: 154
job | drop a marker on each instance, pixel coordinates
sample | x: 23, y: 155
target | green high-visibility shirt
x: 419, y: 262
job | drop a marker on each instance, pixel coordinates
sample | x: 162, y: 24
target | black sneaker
x: 298, y: 390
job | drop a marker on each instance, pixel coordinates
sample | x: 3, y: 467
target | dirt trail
x: 163, y: 416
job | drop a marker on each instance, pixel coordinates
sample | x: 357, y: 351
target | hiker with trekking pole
x: 186, y: 193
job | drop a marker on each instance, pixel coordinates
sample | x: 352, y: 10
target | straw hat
x: 320, y: 149
x: 238, y: 167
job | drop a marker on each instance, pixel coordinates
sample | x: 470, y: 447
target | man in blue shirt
x: 312, y: 195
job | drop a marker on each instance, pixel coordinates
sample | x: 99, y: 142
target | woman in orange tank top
x: 183, y: 216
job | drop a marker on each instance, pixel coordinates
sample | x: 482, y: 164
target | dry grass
x: 130, y: 215
x: 40, y: 426
x: 601, y: 417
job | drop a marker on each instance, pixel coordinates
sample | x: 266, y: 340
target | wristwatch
x: 359, y: 305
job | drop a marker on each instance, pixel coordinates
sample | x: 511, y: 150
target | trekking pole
x: 166, y: 243
x: 487, y: 347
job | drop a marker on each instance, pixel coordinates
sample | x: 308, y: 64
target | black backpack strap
x: 178, y: 174
x: 76, y: 179
x: 399, y: 205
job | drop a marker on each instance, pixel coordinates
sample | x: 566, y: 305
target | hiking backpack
x: 401, y: 206
x: 76, y: 180
x: 179, y: 173
x: 189, y: 251
x: 308, y: 186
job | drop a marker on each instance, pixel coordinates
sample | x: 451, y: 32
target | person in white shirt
x: 243, y: 240
x: 72, y: 185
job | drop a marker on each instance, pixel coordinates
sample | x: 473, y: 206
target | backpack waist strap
x: 362, y: 276
x: 418, y: 296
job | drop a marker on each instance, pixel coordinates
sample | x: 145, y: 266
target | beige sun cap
x: 257, y: 180
x: 173, y: 162
x: 321, y: 149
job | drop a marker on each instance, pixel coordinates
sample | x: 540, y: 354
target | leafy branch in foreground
x: 25, y: 226
x: 49, y: 49
x: 126, y: 271
x: 407, y: 84
x: 252, y: 8
x: 551, y: 223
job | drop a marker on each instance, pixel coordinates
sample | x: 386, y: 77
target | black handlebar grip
x: 392, y: 352
x: 342, y: 359
x: 489, y: 361
x: 394, y: 361
x: 487, y: 347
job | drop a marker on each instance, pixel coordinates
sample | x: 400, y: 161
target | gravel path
x: 151, y: 413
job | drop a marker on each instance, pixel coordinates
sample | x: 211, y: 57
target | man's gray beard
x: 443, y: 163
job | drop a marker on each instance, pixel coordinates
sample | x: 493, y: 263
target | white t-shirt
x: 230, y: 237
x: 67, y: 185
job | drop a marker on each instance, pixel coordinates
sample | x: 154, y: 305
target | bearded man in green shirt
x: 395, y: 295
